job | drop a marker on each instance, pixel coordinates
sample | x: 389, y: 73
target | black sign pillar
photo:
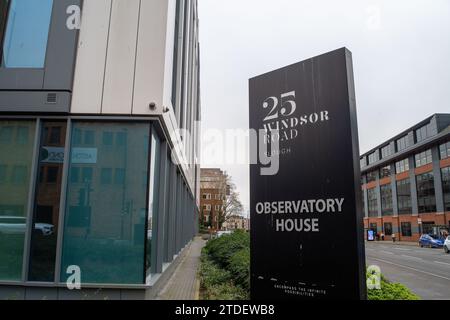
x: 307, y: 234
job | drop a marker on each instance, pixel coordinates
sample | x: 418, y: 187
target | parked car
x: 447, y: 245
x: 427, y: 240
x: 45, y: 228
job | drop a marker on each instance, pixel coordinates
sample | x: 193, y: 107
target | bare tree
x: 232, y: 204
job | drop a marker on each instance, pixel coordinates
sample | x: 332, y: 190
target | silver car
x: 447, y: 245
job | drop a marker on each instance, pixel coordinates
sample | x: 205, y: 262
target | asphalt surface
x: 425, y: 271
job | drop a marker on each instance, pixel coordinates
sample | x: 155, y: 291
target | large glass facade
x: 404, y: 197
x: 26, y: 35
x: 106, y: 203
x: 17, y: 149
x: 425, y: 193
x: 47, y: 200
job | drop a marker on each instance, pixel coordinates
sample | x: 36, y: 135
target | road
x: 425, y: 271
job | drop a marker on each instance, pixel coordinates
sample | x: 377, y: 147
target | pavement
x: 184, y: 284
x: 425, y: 271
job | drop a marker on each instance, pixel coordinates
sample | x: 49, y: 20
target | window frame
x: 406, y: 226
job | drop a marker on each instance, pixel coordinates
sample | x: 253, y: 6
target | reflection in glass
x: 153, y: 199
x: 104, y: 224
x: 15, y: 171
x: 48, y: 195
x: 26, y: 36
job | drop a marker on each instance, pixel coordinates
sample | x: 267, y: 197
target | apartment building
x: 213, y: 192
x: 99, y: 145
x: 406, y: 181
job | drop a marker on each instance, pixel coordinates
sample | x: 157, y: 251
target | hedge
x: 225, y: 272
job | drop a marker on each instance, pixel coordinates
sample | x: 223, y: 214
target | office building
x: 97, y: 97
x: 406, y: 182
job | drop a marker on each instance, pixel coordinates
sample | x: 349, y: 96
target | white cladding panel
x: 121, y: 57
x: 151, y: 57
x: 91, y: 57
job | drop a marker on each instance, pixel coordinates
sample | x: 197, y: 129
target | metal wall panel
x: 121, y: 57
x: 151, y: 57
x: 91, y: 58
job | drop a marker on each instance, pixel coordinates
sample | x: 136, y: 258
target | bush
x: 221, y: 250
x: 217, y: 283
x: 226, y: 292
x: 211, y: 275
x: 225, y: 268
x: 239, y: 266
x: 391, y: 291
x: 225, y: 272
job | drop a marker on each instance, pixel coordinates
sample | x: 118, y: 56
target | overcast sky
x: 401, y: 53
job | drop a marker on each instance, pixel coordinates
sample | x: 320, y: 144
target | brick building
x: 406, y: 181
x: 213, y: 191
x: 237, y: 223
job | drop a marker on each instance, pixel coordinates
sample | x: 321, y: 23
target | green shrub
x: 226, y: 292
x: 225, y: 272
x: 239, y: 266
x: 225, y: 268
x: 211, y: 275
x: 221, y: 250
x: 391, y: 291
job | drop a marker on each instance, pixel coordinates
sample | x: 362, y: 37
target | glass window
x: 385, y: 172
x: 22, y: 135
x: 373, y: 157
x: 104, y: 227
x: 425, y: 193
x: 388, y: 229
x: 446, y: 187
x: 362, y: 162
x: 444, y: 150
x: 14, y: 200
x: 406, y: 229
x: 386, y: 151
x: 402, y: 143
x: 427, y: 227
x: 46, y: 211
x: 404, y: 197
x: 402, y: 166
x: 425, y: 132
x: 27, y: 29
x: 372, y: 176
x: 363, y: 198
x: 386, y: 200
x: 372, y: 202
x: 89, y: 137
x: 106, y: 176
x: 108, y: 138
x: 423, y: 158
x: 154, y: 202
x: 6, y: 134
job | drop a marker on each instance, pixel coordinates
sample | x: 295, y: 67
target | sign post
x: 307, y: 235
